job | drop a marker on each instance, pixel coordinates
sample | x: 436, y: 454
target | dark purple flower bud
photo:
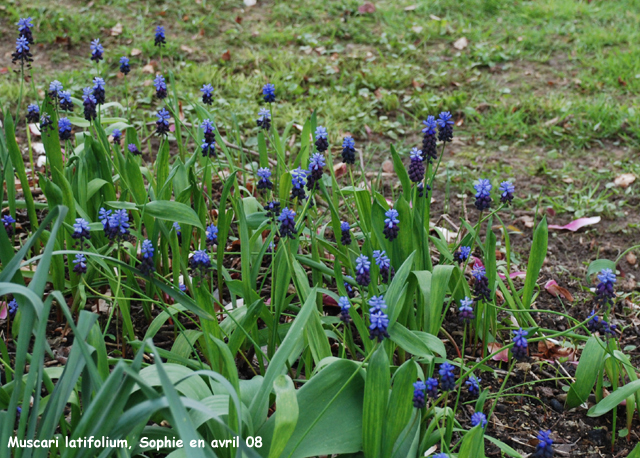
x: 432, y: 387
x: 462, y: 254
x: 45, y: 122
x: 33, y: 113
x: 24, y: 29
x: 162, y: 123
x: 212, y: 234
x: 605, y: 295
x: 391, y: 223
x: 96, y: 50
x: 348, y: 150
x: 8, y: 222
x: 64, y: 128
x: 466, y: 310
x: 346, y: 233
x: 350, y: 292
x: 133, y: 149
x: 269, y: 93
x: 161, y: 86
x: 344, y: 304
x: 264, y: 119
x: 481, y: 289
x: 208, y: 145
x: 316, y: 163
x: 287, y: 223
x: 520, y: 344
x: 125, y: 68
x: 89, y: 102
x: 116, y: 135
x: 379, y: 319
x: 419, y: 400
x: 421, y: 188
x: 207, y: 94
x: 416, y: 167
x: 160, y: 37
x: 22, y: 52
x: 273, y: 209
x: 384, y: 264
x: 298, y: 181
x: 506, y: 192
x: 98, y: 90
x: 429, y: 149
x: 363, y: 266
x: 80, y: 262
x: 147, y: 266
x: 445, y: 127
x: 447, y: 377
x: 264, y: 173
x: 200, y: 263
x: 66, y: 104
x: 322, y: 142
x: 473, y: 385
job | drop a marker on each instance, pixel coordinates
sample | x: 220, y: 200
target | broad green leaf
x: 376, y: 394
x: 589, y: 366
x: 401, y: 171
x: 172, y: 211
x: 536, y: 259
x: 473, y: 443
x: 400, y: 406
x: 614, y: 399
x: 599, y: 264
x: 286, y: 414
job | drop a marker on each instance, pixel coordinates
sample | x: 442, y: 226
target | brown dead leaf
x: 417, y: 84
x: 135, y: 52
x: 387, y: 166
x: 624, y: 180
x: 527, y: 220
x: 410, y: 7
x: 239, y: 19
x: 621, y: 82
x: 378, y: 93
x: 550, y: 350
x: 417, y: 28
x: 116, y: 30
x: 367, y: 8
x: 556, y: 290
x: 226, y: 56
x: 631, y: 258
x: 461, y: 43
x: 340, y: 169
x: 434, y: 17
x: 148, y: 69
x: 186, y: 49
x: 503, y: 355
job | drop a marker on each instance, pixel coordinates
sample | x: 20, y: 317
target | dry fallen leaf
x: 135, y: 52
x: 186, y: 49
x: 527, y: 220
x: 148, y: 69
x: 116, y: 30
x: 624, y: 180
x: 461, y: 43
x: 410, y: 7
x: 502, y: 356
x: 226, y: 56
x: 434, y: 17
x: 631, y: 258
x: 340, y: 169
x: 553, y: 288
x: 417, y: 28
x: 387, y: 166
x: 367, y: 7
x: 249, y: 2
x: 550, y: 350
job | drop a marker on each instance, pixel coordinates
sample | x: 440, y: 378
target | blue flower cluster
x: 208, y: 145
x: 416, y: 167
x: 264, y: 173
x: 8, y: 223
x: 391, y: 223
x: 147, y: 265
x: 115, y: 225
x: 159, y: 39
x: 605, y: 294
x: 162, y: 122
x: 161, y: 86
x: 348, y: 150
x: 462, y: 254
x: 419, y: 400
x: 287, y: 223
x: 64, y: 129
x: 345, y: 305
x: 466, y: 310
x: 363, y: 266
x: 481, y: 289
x: 345, y: 228
x: 379, y: 319
x: 207, y: 94
x: 384, y: 264
x: 81, y: 231
x: 125, y: 68
x: 96, y: 50
x: 264, y: 119
x: 520, y: 344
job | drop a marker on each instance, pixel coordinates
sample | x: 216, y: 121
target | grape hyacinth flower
x: 429, y: 149
x: 391, y: 225
x: 66, y: 104
x: 466, y: 310
x: 298, y: 180
x: 125, y: 68
x: 473, y: 385
x: 421, y: 188
x: 363, y: 265
x: 604, y: 290
x: 182, y: 287
x: 345, y: 228
x: 116, y: 135
x: 479, y: 418
x: 287, y: 223
x: 81, y: 230
x: 22, y: 52
x: 416, y: 167
x: 200, y: 263
x: 64, y: 128
x: 445, y: 127
x: 12, y: 308
x: 447, y: 378
x: 432, y: 387
x: 212, y: 234
x: 419, y: 400
x: 162, y: 123
x: 264, y: 173
x: 269, y: 93
x: 9, y: 222
x: 98, y: 90
x: 597, y: 324
x: 80, y: 262
x: 114, y: 224
x: 384, y: 264
x: 348, y: 150
x: 161, y: 86
x: 178, y: 229
x: 55, y: 88
x: 159, y: 38
x: 481, y: 289
x: 273, y: 209
x: 520, y: 344
x: 483, y: 194
x: 33, y: 113
x: 344, y: 304
x: 350, y: 292
x: 207, y: 94
x: 209, y: 141
x: 96, y: 50
x: 147, y: 265
x: 133, y: 149
x: 462, y: 254
x: 379, y: 319
x: 24, y: 29
x: 89, y: 102
x: 544, y: 449
x: 45, y: 122
x: 322, y: 143
x: 440, y: 455
x: 316, y: 163
x: 264, y: 119
x: 506, y: 189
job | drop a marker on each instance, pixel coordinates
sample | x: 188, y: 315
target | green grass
x: 554, y: 75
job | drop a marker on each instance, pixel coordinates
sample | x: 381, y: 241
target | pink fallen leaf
x: 577, y: 224
x: 3, y: 310
x: 503, y: 355
x: 329, y: 301
x: 555, y: 289
x: 367, y: 7
x: 513, y: 275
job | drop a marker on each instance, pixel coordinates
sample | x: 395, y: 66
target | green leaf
x: 286, y: 414
x: 376, y: 394
x: 397, y: 287
x: 589, y: 366
x: 401, y: 171
x: 536, y: 259
x: 599, y: 264
x: 473, y: 443
x: 614, y: 399
x: 400, y: 405
x: 409, y: 341
x: 169, y: 210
